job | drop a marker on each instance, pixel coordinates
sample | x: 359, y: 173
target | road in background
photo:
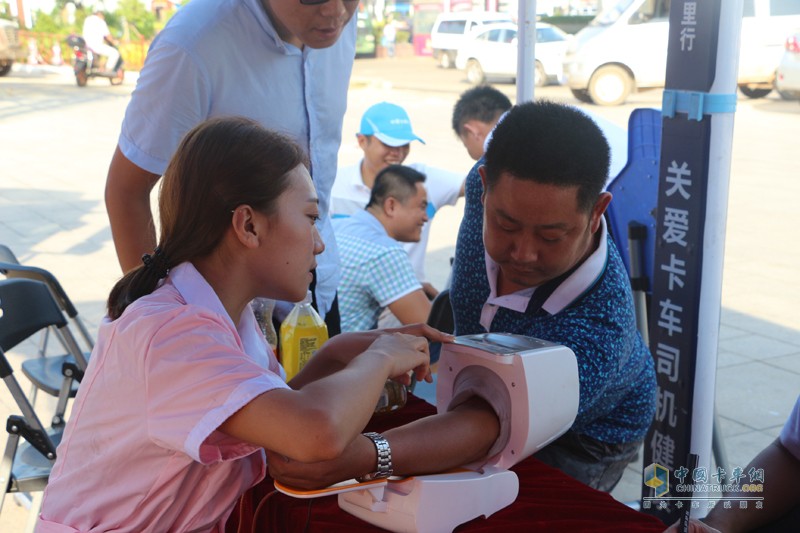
x: 56, y: 141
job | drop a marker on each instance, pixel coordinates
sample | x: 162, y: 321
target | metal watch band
x: 384, y: 468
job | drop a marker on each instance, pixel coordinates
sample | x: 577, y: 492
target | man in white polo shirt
x: 98, y: 37
x: 385, y: 136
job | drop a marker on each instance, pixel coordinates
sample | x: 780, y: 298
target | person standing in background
x: 389, y: 36
x: 284, y: 64
x: 475, y: 115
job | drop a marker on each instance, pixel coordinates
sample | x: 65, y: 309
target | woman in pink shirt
x: 183, y: 401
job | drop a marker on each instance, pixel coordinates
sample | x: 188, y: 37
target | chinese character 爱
x: 676, y: 224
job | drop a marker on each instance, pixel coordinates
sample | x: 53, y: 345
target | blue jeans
x: 597, y: 464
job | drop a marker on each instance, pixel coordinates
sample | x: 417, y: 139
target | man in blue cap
x: 385, y: 136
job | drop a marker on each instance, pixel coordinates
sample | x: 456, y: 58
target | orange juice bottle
x: 302, y: 334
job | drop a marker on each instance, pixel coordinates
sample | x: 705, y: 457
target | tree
x: 134, y: 13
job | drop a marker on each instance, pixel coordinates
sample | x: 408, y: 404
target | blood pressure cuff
x: 480, y: 381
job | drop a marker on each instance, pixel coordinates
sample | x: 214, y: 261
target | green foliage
x: 134, y: 13
x: 47, y: 23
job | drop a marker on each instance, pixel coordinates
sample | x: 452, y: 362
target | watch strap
x: 384, y: 466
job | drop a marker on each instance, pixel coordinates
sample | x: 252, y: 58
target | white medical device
x: 532, y: 385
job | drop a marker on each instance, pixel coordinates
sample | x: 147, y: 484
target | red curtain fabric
x: 548, y: 500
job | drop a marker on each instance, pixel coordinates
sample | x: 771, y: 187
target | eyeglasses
x: 318, y: 2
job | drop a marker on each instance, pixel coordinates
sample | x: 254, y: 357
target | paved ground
x: 56, y: 141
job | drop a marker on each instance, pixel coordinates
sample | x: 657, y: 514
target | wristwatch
x: 384, y: 468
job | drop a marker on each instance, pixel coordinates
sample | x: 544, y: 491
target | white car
x: 491, y: 52
x: 787, y: 78
x: 451, y: 30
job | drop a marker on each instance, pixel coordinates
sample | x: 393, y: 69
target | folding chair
x: 49, y: 373
x: 632, y: 222
x: 26, y: 307
x: 441, y: 314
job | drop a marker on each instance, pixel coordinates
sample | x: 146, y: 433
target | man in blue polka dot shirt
x: 534, y: 257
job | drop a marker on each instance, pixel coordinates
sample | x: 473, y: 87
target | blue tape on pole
x: 696, y: 104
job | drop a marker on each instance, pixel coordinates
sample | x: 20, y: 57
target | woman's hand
x: 405, y: 353
x: 422, y: 330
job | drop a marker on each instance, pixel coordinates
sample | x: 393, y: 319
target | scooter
x: 87, y: 64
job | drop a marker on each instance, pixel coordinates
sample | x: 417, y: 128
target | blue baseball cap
x: 389, y: 123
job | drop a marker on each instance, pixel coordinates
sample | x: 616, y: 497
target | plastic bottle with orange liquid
x: 302, y: 333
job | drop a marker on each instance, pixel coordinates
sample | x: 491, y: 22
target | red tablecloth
x: 548, y: 500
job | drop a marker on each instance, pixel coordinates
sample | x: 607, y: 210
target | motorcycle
x: 87, y: 64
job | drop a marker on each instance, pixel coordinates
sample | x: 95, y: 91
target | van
x: 624, y: 49
x: 451, y: 29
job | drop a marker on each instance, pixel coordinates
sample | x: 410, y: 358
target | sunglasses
x: 318, y: 2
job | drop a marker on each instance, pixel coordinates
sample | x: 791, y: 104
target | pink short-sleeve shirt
x: 141, y: 451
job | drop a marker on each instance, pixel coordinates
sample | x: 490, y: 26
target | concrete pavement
x: 56, y: 141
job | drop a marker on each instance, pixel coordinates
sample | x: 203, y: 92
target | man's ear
x: 246, y: 227
x: 363, y: 141
x: 482, y: 172
x: 599, y: 208
x: 469, y: 128
x: 390, y: 205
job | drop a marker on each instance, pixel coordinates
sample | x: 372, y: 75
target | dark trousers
x: 332, y: 318
x: 597, y: 464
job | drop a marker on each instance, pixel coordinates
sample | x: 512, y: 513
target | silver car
x: 787, y: 78
x: 491, y: 52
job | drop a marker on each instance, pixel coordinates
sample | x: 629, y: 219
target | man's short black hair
x: 483, y: 103
x: 550, y: 143
x: 395, y: 181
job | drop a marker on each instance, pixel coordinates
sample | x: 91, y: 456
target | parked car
x: 491, y: 52
x: 787, y: 78
x: 10, y: 48
x: 452, y: 29
x: 624, y: 49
